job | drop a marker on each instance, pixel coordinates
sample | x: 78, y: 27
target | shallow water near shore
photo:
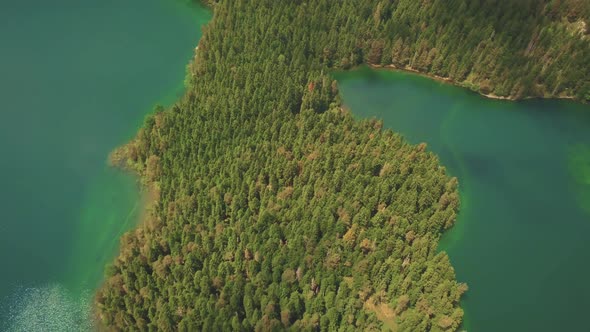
x: 76, y: 80
x: 520, y: 241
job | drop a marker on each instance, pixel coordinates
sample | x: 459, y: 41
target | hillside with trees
x: 511, y: 49
x: 515, y: 49
x: 272, y: 207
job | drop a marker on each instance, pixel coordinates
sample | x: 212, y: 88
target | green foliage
x: 273, y: 208
x: 508, y: 48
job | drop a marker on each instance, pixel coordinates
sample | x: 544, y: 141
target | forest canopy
x: 509, y: 48
x: 274, y: 209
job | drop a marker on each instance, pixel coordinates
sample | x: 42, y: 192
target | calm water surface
x: 521, y: 240
x: 76, y: 79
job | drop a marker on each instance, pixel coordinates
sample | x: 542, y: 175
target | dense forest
x: 272, y: 208
x: 513, y: 49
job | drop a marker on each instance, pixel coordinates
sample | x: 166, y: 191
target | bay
x: 520, y: 241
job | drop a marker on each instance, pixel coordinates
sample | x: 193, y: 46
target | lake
x: 76, y: 80
x: 521, y: 239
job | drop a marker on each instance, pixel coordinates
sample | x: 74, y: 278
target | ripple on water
x: 50, y: 308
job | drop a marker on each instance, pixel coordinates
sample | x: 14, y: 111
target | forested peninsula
x: 274, y: 209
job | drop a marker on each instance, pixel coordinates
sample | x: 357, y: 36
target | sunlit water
x: 49, y: 308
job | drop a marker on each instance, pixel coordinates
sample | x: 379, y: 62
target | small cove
x: 523, y: 167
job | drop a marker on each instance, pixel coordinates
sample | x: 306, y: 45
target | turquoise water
x: 521, y: 239
x: 76, y: 80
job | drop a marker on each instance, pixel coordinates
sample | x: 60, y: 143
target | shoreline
x: 148, y: 199
x: 447, y: 80
x: 149, y: 192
